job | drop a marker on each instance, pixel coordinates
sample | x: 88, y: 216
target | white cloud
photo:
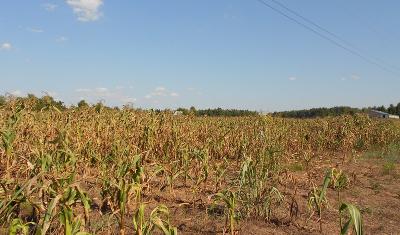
x: 353, y: 77
x: 6, y: 46
x: 160, y: 89
x: 86, y: 10
x: 292, y: 78
x: 101, y: 90
x: 102, y: 93
x: 49, y: 6
x: 16, y: 93
x: 83, y: 90
x: 62, y: 39
x: 129, y: 100
x: 161, y: 92
x: 35, y: 30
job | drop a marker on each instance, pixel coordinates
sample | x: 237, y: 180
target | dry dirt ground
x: 374, y: 188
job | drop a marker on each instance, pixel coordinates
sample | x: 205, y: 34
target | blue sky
x: 206, y: 53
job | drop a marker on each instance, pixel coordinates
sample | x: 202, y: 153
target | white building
x: 379, y: 114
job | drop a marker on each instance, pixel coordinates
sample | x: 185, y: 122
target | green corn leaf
x: 18, y: 225
x: 355, y: 219
x: 49, y: 214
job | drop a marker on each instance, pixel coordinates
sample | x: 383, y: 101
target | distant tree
x: 183, y: 111
x: 398, y: 109
x: 193, y: 110
x: 225, y: 112
x: 45, y: 102
x: 83, y: 104
x: 128, y: 106
x: 381, y: 108
x: 3, y: 100
x: 217, y: 112
x: 318, y: 112
x: 99, y: 107
x: 392, y: 109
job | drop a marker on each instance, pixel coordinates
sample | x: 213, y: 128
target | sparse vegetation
x: 93, y: 170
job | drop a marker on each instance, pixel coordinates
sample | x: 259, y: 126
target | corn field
x: 97, y: 170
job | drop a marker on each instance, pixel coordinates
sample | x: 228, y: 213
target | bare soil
x: 374, y: 188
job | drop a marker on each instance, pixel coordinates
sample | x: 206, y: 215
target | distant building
x: 178, y: 113
x: 380, y: 114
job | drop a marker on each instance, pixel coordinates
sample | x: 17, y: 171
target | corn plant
x: 92, y: 146
x: 339, y: 181
x: 72, y: 226
x: 202, y: 157
x: 171, y: 172
x: 317, y: 198
x: 355, y: 219
x: 159, y: 218
x: 229, y: 199
x: 19, y: 227
x: 220, y: 171
x: 117, y: 191
x: 12, y: 199
x: 62, y: 205
x: 9, y: 134
x: 185, y: 162
x: 257, y: 191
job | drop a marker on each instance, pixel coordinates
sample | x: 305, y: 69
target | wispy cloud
x: 49, y: 7
x: 86, y: 10
x: 82, y: 90
x: 6, y: 46
x: 35, y: 30
x: 128, y: 100
x: 16, y: 93
x: 19, y: 93
x: 292, y: 78
x: 103, y: 93
x: 160, y: 89
x: 161, y: 92
x: 352, y: 77
x: 101, y: 90
x: 62, y: 39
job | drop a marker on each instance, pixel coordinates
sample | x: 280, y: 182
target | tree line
x: 391, y: 109
x: 36, y: 103
x: 217, y: 112
x: 318, y: 112
x: 46, y: 102
x: 335, y: 111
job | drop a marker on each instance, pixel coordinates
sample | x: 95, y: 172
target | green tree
x: 2, y: 100
x: 392, y: 109
x: 193, y: 110
x: 83, y: 104
x: 398, y: 109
